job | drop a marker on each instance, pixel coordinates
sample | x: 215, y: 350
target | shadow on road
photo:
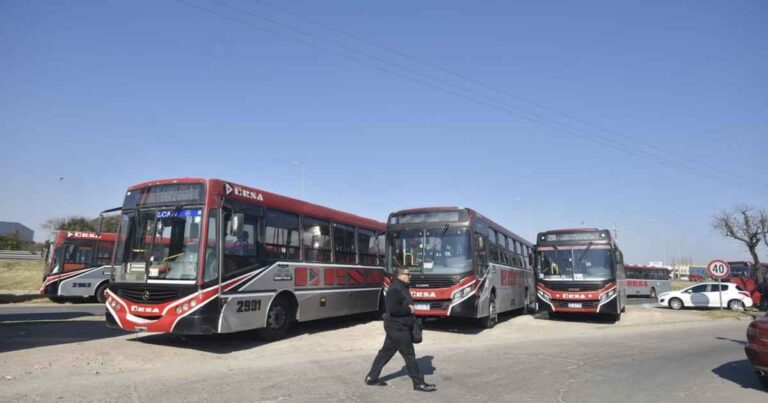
x: 425, y: 365
x: 575, y: 317
x: 739, y: 372
x: 233, y: 342
x: 465, y: 325
x: 30, y: 334
x: 14, y: 298
x: 742, y: 342
x: 30, y: 318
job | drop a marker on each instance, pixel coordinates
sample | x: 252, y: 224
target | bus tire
x: 58, y: 300
x: 676, y: 303
x: 735, y: 305
x: 490, y: 321
x: 616, y: 317
x: 279, y: 318
x: 101, y: 291
x: 653, y: 293
x: 530, y: 308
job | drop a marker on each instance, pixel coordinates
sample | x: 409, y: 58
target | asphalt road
x: 651, y: 355
x: 40, y: 312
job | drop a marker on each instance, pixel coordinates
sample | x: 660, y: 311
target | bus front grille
x: 422, y: 281
x: 151, y: 296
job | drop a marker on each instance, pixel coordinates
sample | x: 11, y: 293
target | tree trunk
x: 756, y: 269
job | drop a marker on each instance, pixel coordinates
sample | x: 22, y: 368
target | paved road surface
x: 642, y: 358
x: 37, y: 312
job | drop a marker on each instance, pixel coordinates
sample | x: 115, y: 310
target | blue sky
x: 108, y: 94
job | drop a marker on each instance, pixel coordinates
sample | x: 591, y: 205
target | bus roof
x: 472, y: 214
x: 220, y: 187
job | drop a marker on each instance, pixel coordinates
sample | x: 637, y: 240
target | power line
x: 494, y: 103
x: 497, y: 89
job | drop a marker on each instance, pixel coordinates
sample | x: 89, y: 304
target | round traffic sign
x: 718, y: 269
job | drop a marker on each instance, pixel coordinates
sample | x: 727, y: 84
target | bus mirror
x: 236, y: 227
x: 98, y: 226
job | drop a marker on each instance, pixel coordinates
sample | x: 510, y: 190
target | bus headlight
x: 461, y: 293
x: 608, y: 295
x: 543, y: 295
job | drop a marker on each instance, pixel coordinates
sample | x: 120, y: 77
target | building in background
x: 8, y: 228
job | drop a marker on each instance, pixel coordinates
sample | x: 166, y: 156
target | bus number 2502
x: 249, y: 305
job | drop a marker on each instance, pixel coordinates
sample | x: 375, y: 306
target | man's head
x: 403, y: 274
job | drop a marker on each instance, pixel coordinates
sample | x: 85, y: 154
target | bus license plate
x: 574, y: 305
x: 421, y: 307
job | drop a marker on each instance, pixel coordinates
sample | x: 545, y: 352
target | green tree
x: 11, y: 241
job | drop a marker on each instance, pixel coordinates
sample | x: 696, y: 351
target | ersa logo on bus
x: 238, y: 191
x: 82, y: 235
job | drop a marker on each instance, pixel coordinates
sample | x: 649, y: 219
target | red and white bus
x: 462, y: 264
x: 77, y: 265
x: 580, y: 271
x: 202, y: 256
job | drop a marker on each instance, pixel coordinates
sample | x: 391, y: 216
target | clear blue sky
x: 109, y: 93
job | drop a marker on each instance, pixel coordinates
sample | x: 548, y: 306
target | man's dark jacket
x: 397, y: 301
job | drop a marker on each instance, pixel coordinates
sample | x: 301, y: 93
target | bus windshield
x: 158, y: 244
x: 576, y: 264
x: 432, y: 251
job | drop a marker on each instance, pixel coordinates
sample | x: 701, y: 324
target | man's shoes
x: 424, y: 387
x: 374, y: 382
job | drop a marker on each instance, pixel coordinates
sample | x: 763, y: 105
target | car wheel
x: 735, y: 305
x: 676, y: 303
x: 653, y: 293
x: 279, y: 318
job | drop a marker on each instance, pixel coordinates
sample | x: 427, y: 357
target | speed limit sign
x: 718, y: 269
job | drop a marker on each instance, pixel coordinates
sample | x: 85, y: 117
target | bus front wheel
x: 490, y: 321
x: 653, y: 292
x: 278, y: 319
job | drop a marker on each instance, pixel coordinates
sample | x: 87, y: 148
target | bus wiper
x: 445, y: 229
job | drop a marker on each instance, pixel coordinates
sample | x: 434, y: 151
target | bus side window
x: 481, y: 253
x: 240, y: 252
x: 282, y: 235
x: 104, y: 253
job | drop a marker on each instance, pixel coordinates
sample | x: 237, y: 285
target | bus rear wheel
x: 279, y: 317
x: 653, y: 293
x: 101, y: 293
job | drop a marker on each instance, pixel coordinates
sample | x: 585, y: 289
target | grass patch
x: 727, y: 313
x: 21, y: 274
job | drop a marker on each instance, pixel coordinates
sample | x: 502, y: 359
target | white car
x: 706, y: 295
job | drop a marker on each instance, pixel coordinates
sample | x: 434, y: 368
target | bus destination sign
x: 177, y: 193
x: 581, y: 236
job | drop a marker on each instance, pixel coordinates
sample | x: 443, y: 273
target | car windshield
x: 576, y: 264
x: 433, y: 250
x: 158, y: 244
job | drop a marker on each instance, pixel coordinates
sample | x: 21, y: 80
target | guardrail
x: 19, y: 255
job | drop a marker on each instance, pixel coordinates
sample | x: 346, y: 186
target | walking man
x: 762, y: 288
x: 398, y: 324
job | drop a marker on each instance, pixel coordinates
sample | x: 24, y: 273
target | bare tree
x: 747, y: 224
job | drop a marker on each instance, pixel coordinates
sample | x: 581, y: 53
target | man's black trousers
x: 398, y: 339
